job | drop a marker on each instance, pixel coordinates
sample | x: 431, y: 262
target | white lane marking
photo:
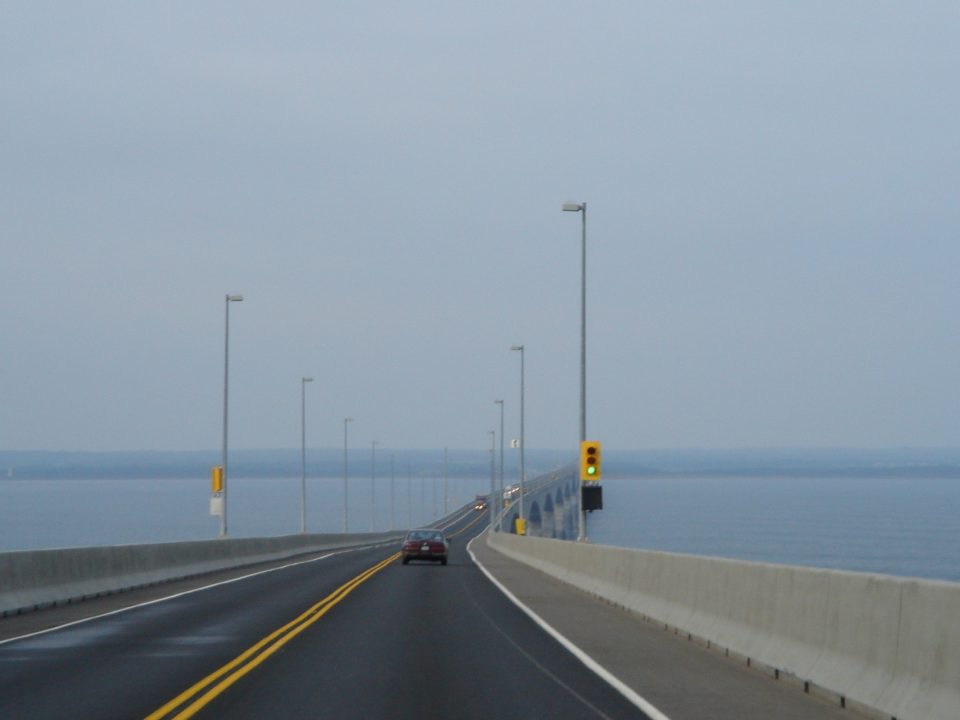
x: 582, y: 656
x: 186, y: 592
x: 530, y: 659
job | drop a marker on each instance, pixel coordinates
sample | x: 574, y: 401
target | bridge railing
x: 32, y: 579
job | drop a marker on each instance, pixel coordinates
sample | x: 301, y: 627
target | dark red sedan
x: 425, y: 544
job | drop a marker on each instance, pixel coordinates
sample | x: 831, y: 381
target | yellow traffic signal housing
x: 590, y: 461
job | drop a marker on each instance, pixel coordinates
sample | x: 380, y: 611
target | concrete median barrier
x: 33, y: 579
x: 887, y: 646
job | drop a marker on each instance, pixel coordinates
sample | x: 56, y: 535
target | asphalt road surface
x: 345, y: 635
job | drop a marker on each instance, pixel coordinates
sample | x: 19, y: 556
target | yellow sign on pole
x: 216, y: 479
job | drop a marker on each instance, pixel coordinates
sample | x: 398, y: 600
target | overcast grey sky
x: 773, y: 220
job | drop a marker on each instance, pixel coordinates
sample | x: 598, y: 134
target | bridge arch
x: 560, y: 515
x: 535, y: 520
x: 549, y: 528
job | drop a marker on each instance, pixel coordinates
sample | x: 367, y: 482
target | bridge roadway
x: 357, y: 635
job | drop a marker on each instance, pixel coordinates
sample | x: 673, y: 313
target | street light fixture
x: 345, y: 514
x: 523, y: 444
x: 303, y: 452
x: 226, y: 388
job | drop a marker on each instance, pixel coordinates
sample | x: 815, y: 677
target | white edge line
x: 185, y: 592
x: 582, y: 656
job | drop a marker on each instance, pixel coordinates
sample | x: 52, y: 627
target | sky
x: 772, y: 223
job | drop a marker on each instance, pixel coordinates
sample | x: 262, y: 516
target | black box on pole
x: 592, y: 497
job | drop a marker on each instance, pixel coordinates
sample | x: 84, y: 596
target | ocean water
x: 898, y: 526
x: 40, y: 514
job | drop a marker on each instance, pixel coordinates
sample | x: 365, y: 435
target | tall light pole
x: 446, y: 481
x: 226, y: 388
x: 373, y: 477
x: 345, y: 514
x: 393, y: 498
x: 493, y: 473
x: 582, y: 209
x: 499, y: 497
x: 409, y: 497
x: 303, y: 452
x: 523, y: 444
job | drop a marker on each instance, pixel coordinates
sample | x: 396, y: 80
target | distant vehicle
x: 425, y: 544
x: 480, y: 503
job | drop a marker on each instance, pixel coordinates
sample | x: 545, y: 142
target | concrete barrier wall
x: 887, y: 646
x: 35, y: 578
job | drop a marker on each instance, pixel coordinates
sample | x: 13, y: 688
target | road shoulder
x: 682, y: 679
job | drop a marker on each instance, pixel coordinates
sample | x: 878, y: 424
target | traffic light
x: 590, y: 466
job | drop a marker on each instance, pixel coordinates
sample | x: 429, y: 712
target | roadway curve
x: 344, y: 635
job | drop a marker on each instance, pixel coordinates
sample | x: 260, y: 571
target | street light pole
x: 582, y: 209
x: 303, y: 452
x: 345, y: 513
x: 373, y: 477
x: 409, y: 497
x: 226, y: 388
x: 493, y: 474
x: 523, y: 444
x: 499, y: 497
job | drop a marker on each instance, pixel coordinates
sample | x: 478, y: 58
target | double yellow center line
x: 191, y: 701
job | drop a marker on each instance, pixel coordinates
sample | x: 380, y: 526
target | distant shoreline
x: 328, y: 463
